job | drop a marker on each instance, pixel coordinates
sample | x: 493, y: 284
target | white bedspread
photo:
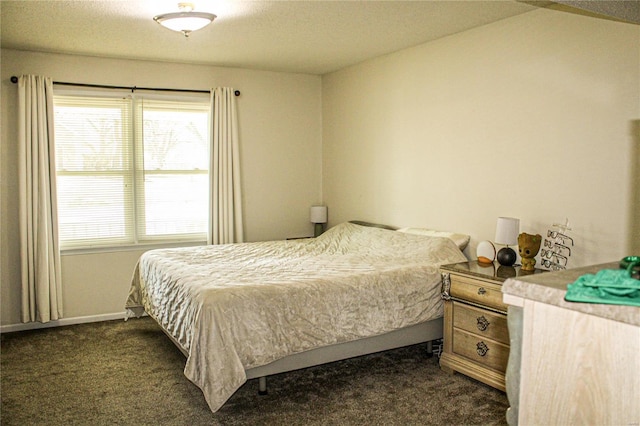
x: 238, y: 306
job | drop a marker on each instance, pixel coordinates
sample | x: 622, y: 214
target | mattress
x: 234, y: 307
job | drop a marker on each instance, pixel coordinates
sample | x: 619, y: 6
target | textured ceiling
x: 303, y: 36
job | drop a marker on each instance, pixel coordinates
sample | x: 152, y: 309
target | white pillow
x: 461, y: 240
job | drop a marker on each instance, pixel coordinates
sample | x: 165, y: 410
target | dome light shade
x: 186, y: 20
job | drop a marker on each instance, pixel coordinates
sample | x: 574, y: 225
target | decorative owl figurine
x: 528, y: 246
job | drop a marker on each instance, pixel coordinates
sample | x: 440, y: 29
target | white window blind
x: 131, y: 170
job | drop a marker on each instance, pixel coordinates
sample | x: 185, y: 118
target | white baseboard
x: 61, y: 322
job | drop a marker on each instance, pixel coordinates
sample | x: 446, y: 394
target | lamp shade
x: 318, y: 214
x: 507, y: 230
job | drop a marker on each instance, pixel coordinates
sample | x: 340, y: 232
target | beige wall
x: 529, y: 117
x: 280, y: 136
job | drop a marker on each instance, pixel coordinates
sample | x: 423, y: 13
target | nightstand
x: 476, y: 337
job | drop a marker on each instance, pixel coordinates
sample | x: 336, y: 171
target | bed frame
x: 412, y: 335
x: 419, y: 333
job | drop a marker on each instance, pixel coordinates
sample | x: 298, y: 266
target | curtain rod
x: 14, y: 80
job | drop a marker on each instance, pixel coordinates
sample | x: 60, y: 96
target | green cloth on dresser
x: 608, y: 286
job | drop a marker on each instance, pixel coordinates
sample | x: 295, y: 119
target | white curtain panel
x: 39, y: 250
x: 226, y: 198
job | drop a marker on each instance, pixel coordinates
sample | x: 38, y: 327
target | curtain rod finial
x: 14, y: 79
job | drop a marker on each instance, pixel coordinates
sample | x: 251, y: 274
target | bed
x: 249, y: 310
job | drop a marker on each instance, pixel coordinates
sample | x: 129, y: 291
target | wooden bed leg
x: 262, y: 385
x: 429, y: 348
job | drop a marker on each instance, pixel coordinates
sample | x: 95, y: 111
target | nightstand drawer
x: 481, y: 350
x: 481, y: 322
x: 477, y: 291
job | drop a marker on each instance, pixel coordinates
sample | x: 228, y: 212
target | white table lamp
x: 318, y: 216
x: 507, y: 230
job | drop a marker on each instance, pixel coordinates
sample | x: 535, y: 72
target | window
x: 131, y: 170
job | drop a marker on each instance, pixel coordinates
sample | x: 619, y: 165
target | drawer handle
x: 483, y: 324
x: 482, y: 291
x: 482, y: 348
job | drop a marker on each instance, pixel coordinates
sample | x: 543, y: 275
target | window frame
x: 134, y: 237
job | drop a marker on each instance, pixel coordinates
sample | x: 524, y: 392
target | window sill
x: 137, y: 247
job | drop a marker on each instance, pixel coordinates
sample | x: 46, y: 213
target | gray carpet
x: 125, y: 373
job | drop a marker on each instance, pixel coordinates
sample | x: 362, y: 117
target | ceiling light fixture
x: 186, y: 20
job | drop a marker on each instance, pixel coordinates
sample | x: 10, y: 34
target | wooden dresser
x: 476, y: 337
x: 571, y: 363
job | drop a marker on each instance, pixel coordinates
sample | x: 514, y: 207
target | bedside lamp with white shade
x: 507, y: 230
x: 318, y: 216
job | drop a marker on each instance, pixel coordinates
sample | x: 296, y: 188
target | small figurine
x: 528, y: 246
